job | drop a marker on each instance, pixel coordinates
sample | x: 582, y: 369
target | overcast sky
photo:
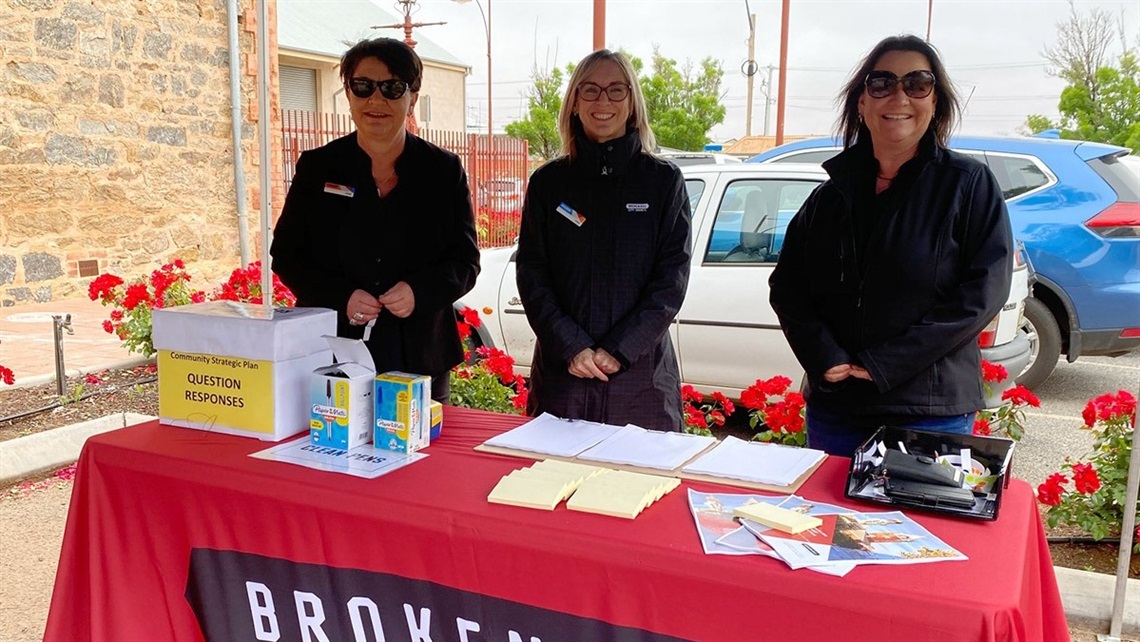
x: 992, y: 49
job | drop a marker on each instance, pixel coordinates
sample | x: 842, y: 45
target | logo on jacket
x: 637, y: 207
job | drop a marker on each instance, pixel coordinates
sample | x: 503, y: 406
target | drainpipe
x: 236, y: 120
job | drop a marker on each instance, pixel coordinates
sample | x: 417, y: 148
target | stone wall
x: 115, y: 141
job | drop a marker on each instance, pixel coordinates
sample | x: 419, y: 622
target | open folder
x: 734, y: 461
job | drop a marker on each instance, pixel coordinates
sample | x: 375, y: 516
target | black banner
x: 239, y: 596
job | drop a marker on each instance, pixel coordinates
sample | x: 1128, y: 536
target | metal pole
x: 490, y: 120
x: 235, y: 128
x: 59, y: 323
x: 768, y: 101
x: 752, y: 76
x: 929, y: 15
x: 264, y: 114
x: 1127, y: 529
x: 783, y: 73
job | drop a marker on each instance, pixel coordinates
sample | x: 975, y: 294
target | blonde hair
x: 568, y: 122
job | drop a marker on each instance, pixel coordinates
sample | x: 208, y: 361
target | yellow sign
x: 214, y: 390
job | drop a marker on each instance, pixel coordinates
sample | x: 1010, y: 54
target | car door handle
x: 514, y: 301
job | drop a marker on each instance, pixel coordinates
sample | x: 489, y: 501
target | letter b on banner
x: 264, y: 617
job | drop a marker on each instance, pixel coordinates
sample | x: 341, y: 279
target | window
x: 1017, y: 175
x: 695, y: 188
x: 298, y: 88
x: 815, y: 156
x: 751, y: 220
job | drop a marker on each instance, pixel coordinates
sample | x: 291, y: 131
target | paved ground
x: 27, y: 343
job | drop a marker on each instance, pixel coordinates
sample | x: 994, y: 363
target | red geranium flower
x: 724, y: 402
x: 101, y: 287
x: 1049, y: 493
x: 1089, y: 414
x: 993, y: 372
x: 471, y: 317
x: 7, y: 376
x: 1021, y: 395
x: 690, y: 394
x: 108, y: 327
x: 982, y: 427
x: 752, y: 397
x: 464, y: 330
x: 1085, y: 478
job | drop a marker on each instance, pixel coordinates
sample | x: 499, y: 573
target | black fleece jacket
x: 905, y: 299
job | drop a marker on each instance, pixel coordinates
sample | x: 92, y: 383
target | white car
x: 726, y: 334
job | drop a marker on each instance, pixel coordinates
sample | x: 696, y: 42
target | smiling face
x: 603, y: 119
x: 377, y: 117
x: 898, y: 121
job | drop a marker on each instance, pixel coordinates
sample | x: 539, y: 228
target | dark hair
x: 401, y: 60
x: 946, y: 108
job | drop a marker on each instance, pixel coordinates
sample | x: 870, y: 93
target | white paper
x: 756, y: 461
x: 365, y: 461
x: 549, y: 435
x: 636, y: 446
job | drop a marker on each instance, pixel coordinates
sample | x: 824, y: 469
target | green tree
x: 540, y: 127
x: 1112, y: 116
x: 683, y: 103
x: 1101, y: 102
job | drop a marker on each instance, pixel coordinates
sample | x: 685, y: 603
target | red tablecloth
x: 145, y: 497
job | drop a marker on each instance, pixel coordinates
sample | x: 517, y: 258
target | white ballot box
x: 234, y: 368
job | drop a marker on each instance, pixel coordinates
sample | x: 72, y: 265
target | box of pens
x: 952, y: 474
x: 340, y: 397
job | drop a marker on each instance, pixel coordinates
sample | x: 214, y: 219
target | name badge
x: 339, y: 190
x: 637, y: 207
x: 571, y: 215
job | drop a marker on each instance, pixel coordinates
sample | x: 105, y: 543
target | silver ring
x: 358, y: 316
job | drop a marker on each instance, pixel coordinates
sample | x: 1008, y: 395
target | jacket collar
x: 856, y: 165
x: 608, y: 158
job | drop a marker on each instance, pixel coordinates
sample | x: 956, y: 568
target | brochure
x: 860, y: 538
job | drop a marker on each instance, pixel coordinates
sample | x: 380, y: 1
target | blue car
x: 1076, y: 208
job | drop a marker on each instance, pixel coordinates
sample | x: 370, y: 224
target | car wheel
x: 1044, y: 344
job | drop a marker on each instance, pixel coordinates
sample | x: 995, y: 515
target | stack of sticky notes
x: 621, y: 493
x: 781, y: 519
x: 542, y: 485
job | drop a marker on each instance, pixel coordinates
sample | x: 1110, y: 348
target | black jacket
x: 615, y: 282
x: 327, y: 245
x: 935, y: 269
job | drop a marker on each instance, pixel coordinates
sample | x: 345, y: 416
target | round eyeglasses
x: 590, y: 92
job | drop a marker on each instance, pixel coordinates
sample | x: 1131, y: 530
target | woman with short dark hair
x: 893, y: 266
x: 378, y: 224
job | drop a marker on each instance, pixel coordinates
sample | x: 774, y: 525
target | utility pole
x: 783, y: 94
x: 599, y: 24
x: 407, y: 25
x: 750, y: 65
x: 768, y: 100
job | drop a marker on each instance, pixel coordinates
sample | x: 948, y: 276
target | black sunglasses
x: 916, y: 84
x: 392, y: 89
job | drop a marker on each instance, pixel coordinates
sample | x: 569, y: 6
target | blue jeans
x: 838, y: 434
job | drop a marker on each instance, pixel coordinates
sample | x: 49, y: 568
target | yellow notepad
x: 620, y: 493
x: 781, y: 519
x: 542, y: 485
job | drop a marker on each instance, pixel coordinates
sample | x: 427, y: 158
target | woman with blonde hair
x: 603, y: 259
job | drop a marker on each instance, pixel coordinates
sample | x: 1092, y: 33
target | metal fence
x: 496, y: 169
